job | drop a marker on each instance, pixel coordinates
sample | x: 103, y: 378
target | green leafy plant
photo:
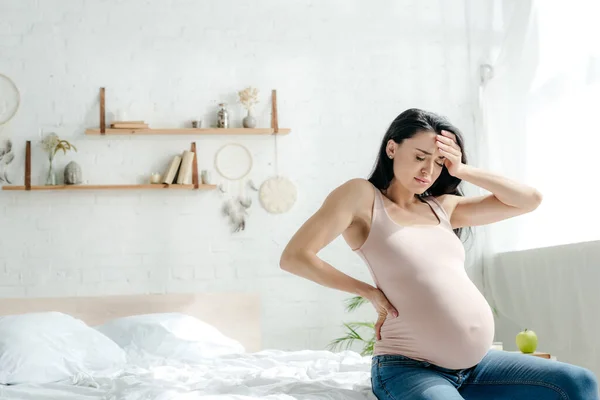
x: 367, y: 329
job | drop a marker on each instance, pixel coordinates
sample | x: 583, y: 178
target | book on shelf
x: 185, y: 171
x: 170, y: 174
x: 129, y: 125
x: 179, y: 170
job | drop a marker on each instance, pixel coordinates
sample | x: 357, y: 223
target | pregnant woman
x: 434, y: 329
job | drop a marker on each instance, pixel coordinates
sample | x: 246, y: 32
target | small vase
x: 51, y: 177
x: 222, y: 116
x: 249, y: 121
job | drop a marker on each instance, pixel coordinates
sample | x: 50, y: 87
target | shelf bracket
x: 28, y: 165
x: 274, y: 122
x: 195, y: 167
x: 102, y: 112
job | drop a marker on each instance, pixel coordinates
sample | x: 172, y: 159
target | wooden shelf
x: 195, y: 185
x: 189, y: 131
x: 105, y: 130
x: 159, y: 186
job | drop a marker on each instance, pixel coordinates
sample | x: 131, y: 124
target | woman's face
x: 417, y: 161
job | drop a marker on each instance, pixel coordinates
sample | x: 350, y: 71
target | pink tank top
x: 442, y: 316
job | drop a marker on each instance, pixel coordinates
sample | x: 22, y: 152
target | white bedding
x: 270, y: 374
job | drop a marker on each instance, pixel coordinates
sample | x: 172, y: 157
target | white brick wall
x: 343, y: 71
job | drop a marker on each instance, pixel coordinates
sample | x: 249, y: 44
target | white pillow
x: 173, y: 336
x: 51, y: 346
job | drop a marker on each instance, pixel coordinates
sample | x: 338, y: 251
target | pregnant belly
x: 453, y: 328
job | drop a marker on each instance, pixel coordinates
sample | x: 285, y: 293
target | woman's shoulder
x: 359, y: 187
x: 356, y: 190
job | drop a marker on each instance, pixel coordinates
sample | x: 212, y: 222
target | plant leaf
x: 338, y: 344
x: 368, y: 349
x: 352, y: 327
x: 355, y: 302
x: 353, y: 332
x: 352, y: 336
x: 356, y: 325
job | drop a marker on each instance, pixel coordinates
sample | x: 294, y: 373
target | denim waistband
x: 383, y: 358
x: 393, y: 357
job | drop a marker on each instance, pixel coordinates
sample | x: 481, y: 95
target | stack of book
x: 129, y: 125
x: 179, y: 170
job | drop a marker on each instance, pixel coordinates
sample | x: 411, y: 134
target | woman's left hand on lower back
x: 383, y: 307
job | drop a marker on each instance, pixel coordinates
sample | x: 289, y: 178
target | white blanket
x: 270, y: 374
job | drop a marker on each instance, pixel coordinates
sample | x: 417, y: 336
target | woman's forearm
x: 310, y: 266
x: 509, y: 192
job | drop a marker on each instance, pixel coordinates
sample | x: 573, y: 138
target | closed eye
x: 440, y: 162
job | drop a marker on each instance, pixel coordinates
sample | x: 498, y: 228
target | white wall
x: 343, y: 71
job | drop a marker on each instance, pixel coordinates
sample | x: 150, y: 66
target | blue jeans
x: 499, y: 375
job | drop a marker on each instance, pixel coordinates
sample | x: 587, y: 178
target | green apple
x: 527, y: 341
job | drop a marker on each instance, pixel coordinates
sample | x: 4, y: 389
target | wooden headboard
x: 236, y: 315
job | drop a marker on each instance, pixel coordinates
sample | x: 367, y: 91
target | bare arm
x: 508, y: 199
x: 331, y: 220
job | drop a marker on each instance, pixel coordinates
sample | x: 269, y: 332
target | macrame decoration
x: 234, y: 162
x: 10, y: 99
x: 277, y: 194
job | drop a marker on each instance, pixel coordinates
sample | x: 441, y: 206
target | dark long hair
x: 405, y: 126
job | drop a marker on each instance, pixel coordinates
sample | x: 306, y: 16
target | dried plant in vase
x: 51, y: 145
x: 249, y: 98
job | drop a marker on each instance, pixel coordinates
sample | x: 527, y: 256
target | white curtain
x: 539, y: 112
x: 539, y: 101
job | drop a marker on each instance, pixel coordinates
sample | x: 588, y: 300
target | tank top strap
x: 378, y: 204
x: 439, y: 211
x: 378, y: 199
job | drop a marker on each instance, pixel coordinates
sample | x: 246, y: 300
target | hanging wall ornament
x: 6, y: 157
x: 277, y: 194
x: 10, y: 99
x: 234, y: 162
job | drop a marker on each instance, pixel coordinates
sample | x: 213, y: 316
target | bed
x: 254, y: 373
